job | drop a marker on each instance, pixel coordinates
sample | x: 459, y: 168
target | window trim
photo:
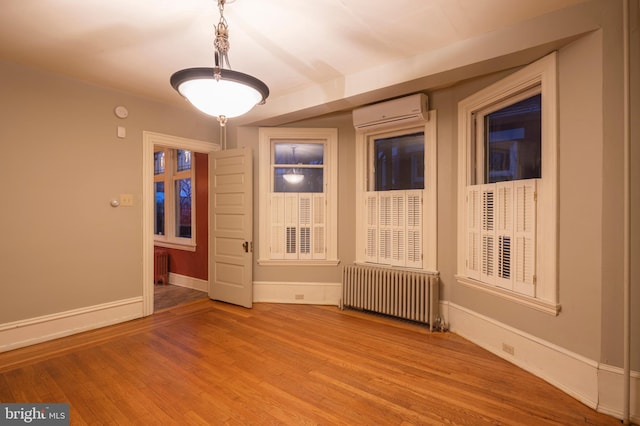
x: 430, y: 193
x: 265, y: 182
x: 543, y: 73
x: 170, y: 175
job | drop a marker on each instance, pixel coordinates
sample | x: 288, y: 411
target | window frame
x: 364, y: 167
x: 267, y: 137
x: 170, y: 176
x: 541, y: 73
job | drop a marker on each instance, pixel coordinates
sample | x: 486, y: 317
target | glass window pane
x: 158, y: 162
x: 184, y: 159
x: 298, y: 153
x: 310, y: 179
x: 399, y: 162
x: 183, y: 208
x: 158, y: 226
x: 513, y: 141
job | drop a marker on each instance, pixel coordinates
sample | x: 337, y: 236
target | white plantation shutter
x: 291, y: 225
x: 473, y: 231
x: 384, y: 228
x: 504, y: 234
x: 501, y: 234
x: 371, y: 227
x: 394, y: 228
x: 277, y: 227
x: 414, y: 229
x: 525, y: 233
x: 398, y: 220
x: 319, y: 239
x: 304, y: 226
x: 487, y: 233
x: 298, y: 226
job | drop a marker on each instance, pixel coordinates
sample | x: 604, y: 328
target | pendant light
x: 219, y: 91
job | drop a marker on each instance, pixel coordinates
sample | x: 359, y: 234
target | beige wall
x: 63, y: 246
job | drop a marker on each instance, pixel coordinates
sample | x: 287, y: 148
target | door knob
x: 245, y: 246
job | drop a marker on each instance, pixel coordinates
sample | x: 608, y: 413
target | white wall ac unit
x: 408, y: 110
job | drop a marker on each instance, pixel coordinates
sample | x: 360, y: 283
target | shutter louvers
x: 525, y: 232
x: 487, y: 264
x: 371, y: 248
x: 276, y: 247
x: 319, y: 226
x: 304, y: 226
x: 414, y: 230
x: 291, y: 226
x: 473, y: 232
x: 398, y: 243
x: 504, y: 234
x: 384, y: 229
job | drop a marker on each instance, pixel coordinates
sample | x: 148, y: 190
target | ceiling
x: 294, y: 46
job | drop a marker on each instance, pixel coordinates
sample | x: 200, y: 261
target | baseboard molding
x: 27, y: 332
x: 189, y: 282
x: 297, y: 292
x: 611, y: 395
x: 596, y: 385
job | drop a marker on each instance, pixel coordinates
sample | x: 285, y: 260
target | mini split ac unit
x: 408, y: 110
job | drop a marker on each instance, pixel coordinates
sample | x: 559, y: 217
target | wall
x: 64, y: 248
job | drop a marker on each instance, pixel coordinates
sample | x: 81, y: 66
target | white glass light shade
x: 232, y: 95
x: 293, y: 177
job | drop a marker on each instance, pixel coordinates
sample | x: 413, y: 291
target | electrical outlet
x: 299, y: 296
x: 508, y: 349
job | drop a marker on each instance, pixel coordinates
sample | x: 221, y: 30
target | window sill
x: 540, y: 305
x: 279, y: 262
x: 177, y: 246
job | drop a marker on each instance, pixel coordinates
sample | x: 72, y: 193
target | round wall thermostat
x: 121, y: 112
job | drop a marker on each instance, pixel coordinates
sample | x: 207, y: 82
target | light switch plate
x: 126, y: 200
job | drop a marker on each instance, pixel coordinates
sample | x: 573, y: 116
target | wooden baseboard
x: 596, y: 385
x: 297, y: 292
x: 27, y: 332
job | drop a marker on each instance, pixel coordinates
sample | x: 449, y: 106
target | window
x: 507, y: 187
x: 298, y: 196
x: 174, y: 220
x: 396, y: 185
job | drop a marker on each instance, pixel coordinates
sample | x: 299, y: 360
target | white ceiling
x: 292, y: 45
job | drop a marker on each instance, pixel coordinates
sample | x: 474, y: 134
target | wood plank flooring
x: 169, y: 295
x: 211, y: 363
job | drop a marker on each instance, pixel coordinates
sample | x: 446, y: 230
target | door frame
x: 149, y: 141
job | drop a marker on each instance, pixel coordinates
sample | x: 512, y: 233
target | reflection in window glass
x: 183, y: 208
x: 158, y: 162
x: 184, y: 160
x: 513, y: 141
x: 298, y: 153
x: 399, y: 162
x: 300, y: 167
x: 312, y: 180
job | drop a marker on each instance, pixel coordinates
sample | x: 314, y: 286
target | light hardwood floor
x: 211, y: 363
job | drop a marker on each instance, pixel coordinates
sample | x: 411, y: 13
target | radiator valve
x: 440, y: 325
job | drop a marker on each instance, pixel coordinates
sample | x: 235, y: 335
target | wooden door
x: 231, y: 226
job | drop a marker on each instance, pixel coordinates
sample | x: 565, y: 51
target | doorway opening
x: 188, y: 252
